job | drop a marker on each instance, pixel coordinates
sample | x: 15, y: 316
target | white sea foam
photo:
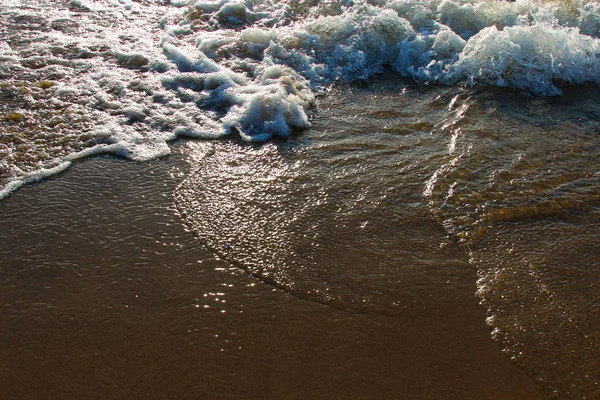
x: 32, y: 177
x: 529, y: 45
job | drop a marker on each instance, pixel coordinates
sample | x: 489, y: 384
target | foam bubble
x: 462, y: 19
x: 532, y: 58
x: 448, y: 44
x: 589, y: 20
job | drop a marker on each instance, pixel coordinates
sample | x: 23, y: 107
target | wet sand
x: 105, y: 295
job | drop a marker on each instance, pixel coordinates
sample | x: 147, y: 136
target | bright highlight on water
x: 484, y: 142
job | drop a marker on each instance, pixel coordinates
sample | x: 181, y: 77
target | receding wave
x: 352, y: 214
x: 520, y: 190
x: 383, y: 207
x: 338, y: 218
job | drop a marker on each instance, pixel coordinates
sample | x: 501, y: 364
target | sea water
x: 485, y: 128
x: 125, y: 77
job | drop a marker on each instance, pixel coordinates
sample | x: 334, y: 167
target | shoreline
x: 107, y: 295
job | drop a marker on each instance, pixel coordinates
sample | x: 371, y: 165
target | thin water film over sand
x: 467, y: 173
x: 376, y: 209
x: 105, y: 296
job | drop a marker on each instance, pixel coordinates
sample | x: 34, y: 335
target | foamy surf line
x: 526, y: 45
x: 47, y: 172
x: 210, y: 69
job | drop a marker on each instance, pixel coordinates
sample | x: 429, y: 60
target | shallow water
x: 337, y: 215
x: 395, y: 201
x: 105, y: 295
x: 521, y: 190
x: 352, y: 214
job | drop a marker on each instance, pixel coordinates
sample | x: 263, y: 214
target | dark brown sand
x: 105, y: 295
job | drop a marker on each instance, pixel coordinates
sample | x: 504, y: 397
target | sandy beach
x: 105, y: 295
x: 240, y: 199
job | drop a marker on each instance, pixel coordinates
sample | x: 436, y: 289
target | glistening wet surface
x: 105, y: 295
x: 398, y: 192
x: 353, y: 254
